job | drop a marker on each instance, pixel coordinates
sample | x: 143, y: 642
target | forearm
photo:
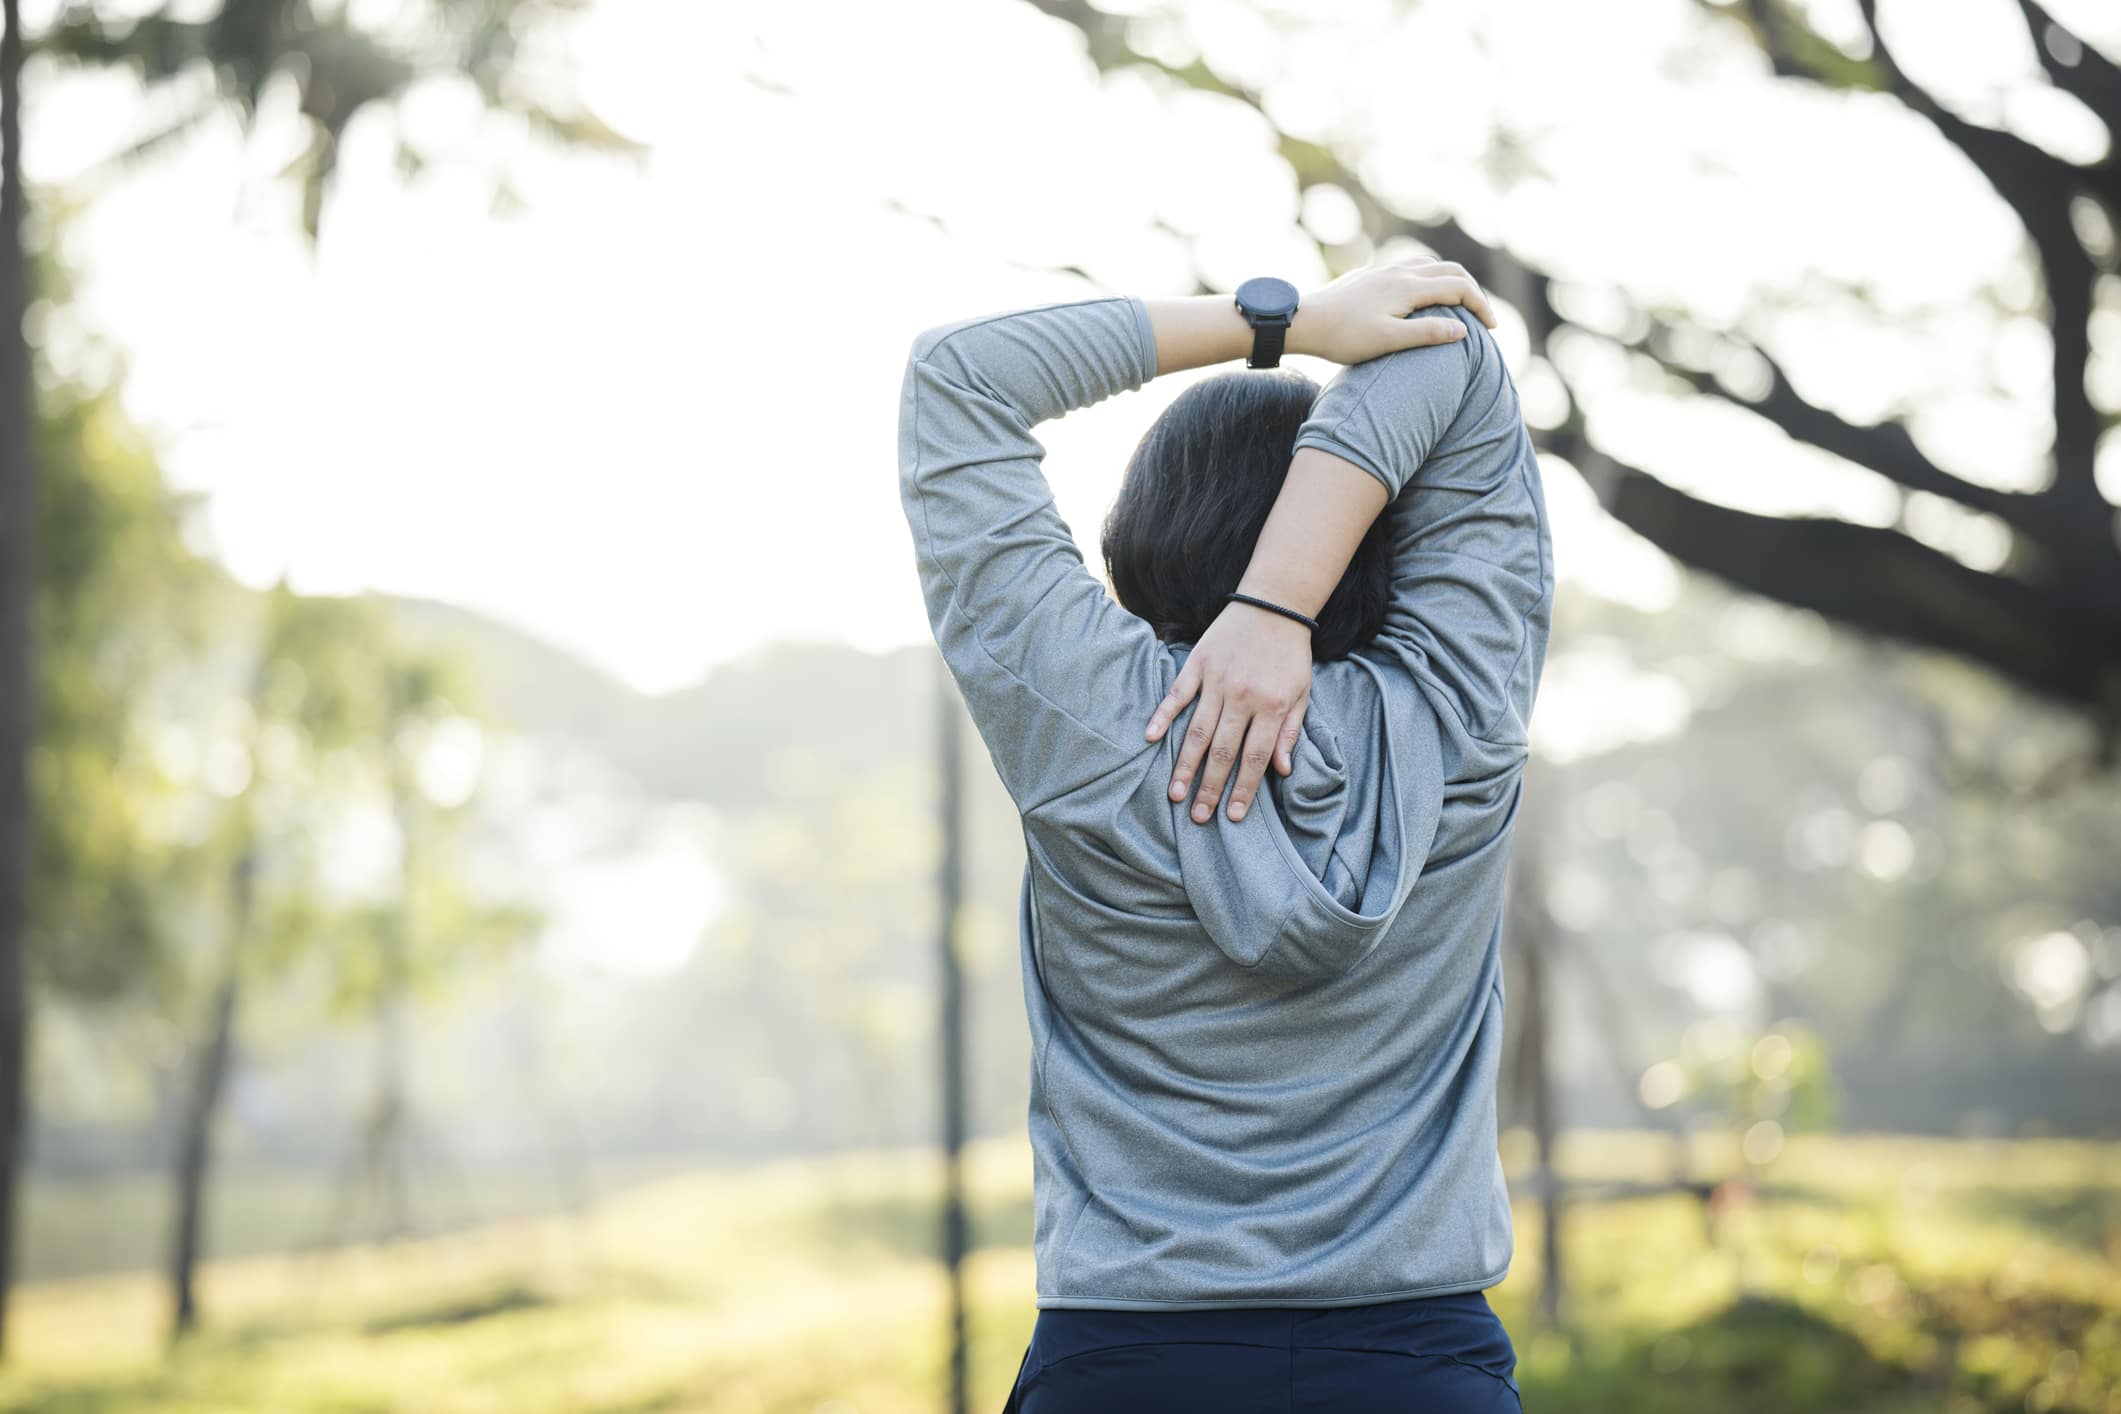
x: 1327, y: 504
x: 1193, y: 331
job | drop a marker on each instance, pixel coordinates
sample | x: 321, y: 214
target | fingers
x: 1174, y: 702
x: 1285, y: 744
x: 1476, y: 299
x: 1195, y: 745
x: 1429, y: 265
x: 1235, y: 727
x: 1259, y: 749
x: 1419, y: 333
x: 1215, y: 770
x: 1446, y: 281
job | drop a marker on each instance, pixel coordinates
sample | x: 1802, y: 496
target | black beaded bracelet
x: 1261, y: 603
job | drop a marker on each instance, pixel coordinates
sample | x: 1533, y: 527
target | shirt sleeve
x: 1441, y: 427
x: 1058, y: 678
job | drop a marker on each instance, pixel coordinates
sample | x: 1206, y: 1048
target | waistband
x: 1459, y: 1326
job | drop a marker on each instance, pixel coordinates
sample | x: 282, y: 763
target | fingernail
x: 1237, y: 812
x: 1200, y: 814
x: 1178, y: 791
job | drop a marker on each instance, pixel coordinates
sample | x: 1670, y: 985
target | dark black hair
x: 1198, y: 489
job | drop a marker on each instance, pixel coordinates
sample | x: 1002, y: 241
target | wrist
x: 1296, y: 339
x: 1288, y: 592
x: 1196, y: 331
x: 1296, y: 619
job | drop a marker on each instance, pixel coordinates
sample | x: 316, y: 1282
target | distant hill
x: 540, y: 688
x: 713, y: 740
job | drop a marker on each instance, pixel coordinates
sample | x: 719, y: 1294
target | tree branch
x: 1876, y: 580
x: 2094, y: 80
x: 2038, y: 187
x: 2060, y: 637
x: 1886, y: 448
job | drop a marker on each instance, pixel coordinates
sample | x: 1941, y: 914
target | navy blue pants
x: 1435, y: 1354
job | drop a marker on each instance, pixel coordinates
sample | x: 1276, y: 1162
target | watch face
x: 1268, y: 298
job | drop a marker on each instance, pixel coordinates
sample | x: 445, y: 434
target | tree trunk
x: 18, y: 667
x: 1530, y: 929
x: 209, y: 1083
x: 1545, y: 1123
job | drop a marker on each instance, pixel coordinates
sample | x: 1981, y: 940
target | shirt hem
x: 1045, y: 1302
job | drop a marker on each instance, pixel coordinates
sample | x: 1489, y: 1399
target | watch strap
x: 1267, y: 338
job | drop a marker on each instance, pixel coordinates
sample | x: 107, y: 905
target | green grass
x: 116, y: 1223
x: 1875, y: 1274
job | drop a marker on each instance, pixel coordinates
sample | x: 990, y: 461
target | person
x: 1264, y: 1040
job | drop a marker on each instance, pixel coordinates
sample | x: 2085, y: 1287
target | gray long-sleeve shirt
x: 1263, y: 1053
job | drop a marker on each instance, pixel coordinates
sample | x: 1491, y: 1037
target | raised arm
x: 1252, y: 668
x: 1441, y: 430
x: 1050, y: 666
x: 1056, y: 675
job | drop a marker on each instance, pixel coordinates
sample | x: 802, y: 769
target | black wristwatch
x: 1268, y: 305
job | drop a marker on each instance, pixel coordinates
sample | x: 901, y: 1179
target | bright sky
x: 652, y: 417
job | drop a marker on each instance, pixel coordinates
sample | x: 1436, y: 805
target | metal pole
x: 950, y: 891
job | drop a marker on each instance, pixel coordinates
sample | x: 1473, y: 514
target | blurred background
x: 481, y: 805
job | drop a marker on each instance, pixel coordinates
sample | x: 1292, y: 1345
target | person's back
x: 1263, y: 1052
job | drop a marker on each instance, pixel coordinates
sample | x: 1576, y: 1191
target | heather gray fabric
x: 1263, y: 1053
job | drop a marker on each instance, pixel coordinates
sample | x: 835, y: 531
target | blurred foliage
x: 120, y: 600
x: 339, y: 60
x: 1762, y: 1086
x: 1779, y: 824
x: 1892, y: 1275
x: 204, y: 752
x: 1760, y: 819
x: 330, y: 740
x: 347, y: 717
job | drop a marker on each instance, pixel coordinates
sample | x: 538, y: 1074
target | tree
x: 123, y: 608
x: 307, y: 696
x: 425, y: 750
x: 116, y: 598
x: 339, y: 67
x: 18, y: 674
x: 339, y: 714
x: 2049, y: 617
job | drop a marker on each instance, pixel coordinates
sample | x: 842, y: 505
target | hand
x: 1252, y: 669
x: 1363, y: 313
